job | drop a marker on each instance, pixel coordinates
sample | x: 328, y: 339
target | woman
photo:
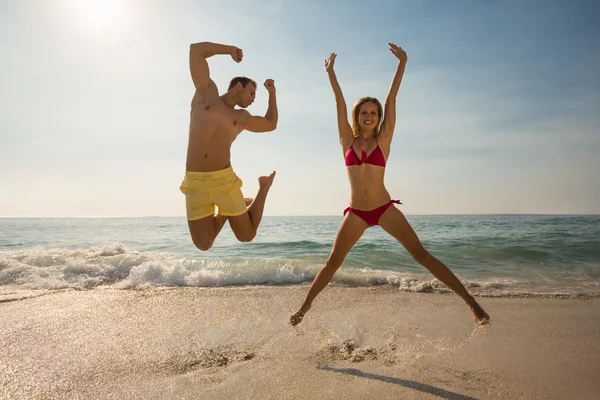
x: 366, y: 146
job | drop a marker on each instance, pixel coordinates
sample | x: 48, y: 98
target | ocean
x: 494, y: 255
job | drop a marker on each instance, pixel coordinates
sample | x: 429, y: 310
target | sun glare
x: 101, y: 14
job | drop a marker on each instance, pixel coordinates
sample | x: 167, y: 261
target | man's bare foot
x: 266, y: 181
x: 298, y: 316
x: 481, y: 317
x: 248, y: 201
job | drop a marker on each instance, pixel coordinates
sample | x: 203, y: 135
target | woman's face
x: 368, y: 116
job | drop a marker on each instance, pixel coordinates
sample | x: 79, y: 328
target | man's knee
x: 202, y: 243
x: 245, y: 236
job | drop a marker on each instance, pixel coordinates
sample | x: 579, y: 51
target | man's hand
x: 398, y: 52
x: 237, y: 54
x: 329, y: 62
x: 270, y: 86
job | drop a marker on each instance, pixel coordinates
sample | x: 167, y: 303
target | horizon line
x: 287, y: 216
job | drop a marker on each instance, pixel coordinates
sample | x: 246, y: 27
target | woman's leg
x: 394, y: 222
x: 351, y: 229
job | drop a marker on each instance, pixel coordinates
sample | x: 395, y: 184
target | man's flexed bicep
x: 199, y: 52
x: 199, y: 67
x: 267, y: 123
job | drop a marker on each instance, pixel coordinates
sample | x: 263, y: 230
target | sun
x: 101, y: 14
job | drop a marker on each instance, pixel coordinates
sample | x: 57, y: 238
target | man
x: 214, y: 124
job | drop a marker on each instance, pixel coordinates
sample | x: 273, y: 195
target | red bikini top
x: 375, y: 158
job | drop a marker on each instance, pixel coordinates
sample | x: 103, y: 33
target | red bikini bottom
x: 371, y: 217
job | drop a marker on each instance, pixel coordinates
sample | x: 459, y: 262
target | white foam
x: 113, y: 265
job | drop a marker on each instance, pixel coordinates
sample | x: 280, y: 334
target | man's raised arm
x: 199, y: 52
x: 267, y: 123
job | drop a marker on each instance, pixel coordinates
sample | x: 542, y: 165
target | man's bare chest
x: 217, y: 116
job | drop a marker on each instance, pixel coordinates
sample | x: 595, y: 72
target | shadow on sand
x: 421, y: 387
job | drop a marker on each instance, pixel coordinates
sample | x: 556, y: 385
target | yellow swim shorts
x: 205, y: 190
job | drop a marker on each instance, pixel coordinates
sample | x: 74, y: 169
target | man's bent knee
x: 245, y: 236
x: 203, y: 243
x: 242, y: 227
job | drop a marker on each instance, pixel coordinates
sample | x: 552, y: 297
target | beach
x: 176, y: 175
x: 235, y: 343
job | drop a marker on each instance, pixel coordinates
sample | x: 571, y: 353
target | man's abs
x: 212, y: 131
x: 208, y: 150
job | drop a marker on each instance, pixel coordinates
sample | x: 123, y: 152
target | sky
x: 498, y: 112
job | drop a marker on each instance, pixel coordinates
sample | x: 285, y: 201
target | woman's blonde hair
x: 356, y: 110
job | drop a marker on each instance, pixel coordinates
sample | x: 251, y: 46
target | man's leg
x: 245, y: 226
x: 205, y: 230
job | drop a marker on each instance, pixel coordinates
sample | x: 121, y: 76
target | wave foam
x: 115, y: 266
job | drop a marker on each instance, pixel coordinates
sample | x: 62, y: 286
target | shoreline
x: 17, y: 293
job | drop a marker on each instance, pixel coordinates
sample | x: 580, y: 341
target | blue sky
x: 498, y: 111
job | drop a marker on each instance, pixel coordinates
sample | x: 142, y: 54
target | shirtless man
x: 214, y: 124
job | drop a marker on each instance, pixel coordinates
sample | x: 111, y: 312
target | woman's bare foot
x: 481, y: 317
x: 266, y: 181
x: 298, y: 316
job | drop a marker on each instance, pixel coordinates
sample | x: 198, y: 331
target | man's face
x: 245, y: 95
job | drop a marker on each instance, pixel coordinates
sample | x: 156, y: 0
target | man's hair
x: 244, y: 81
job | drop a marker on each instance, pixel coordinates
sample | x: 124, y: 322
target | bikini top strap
x: 352, y: 145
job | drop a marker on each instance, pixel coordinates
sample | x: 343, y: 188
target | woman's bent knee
x: 421, y: 256
x: 332, y: 264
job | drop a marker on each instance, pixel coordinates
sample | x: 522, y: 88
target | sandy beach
x: 235, y: 343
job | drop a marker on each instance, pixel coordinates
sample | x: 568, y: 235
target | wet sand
x: 235, y: 343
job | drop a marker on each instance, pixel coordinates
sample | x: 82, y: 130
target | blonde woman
x: 366, y: 147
